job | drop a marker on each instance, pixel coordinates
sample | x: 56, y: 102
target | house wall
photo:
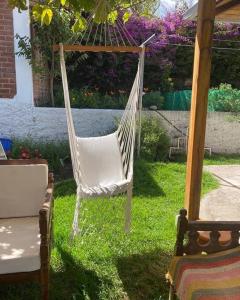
x: 223, y: 130
x: 23, y: 91
x: 15, y: 70
x: 7, y: 58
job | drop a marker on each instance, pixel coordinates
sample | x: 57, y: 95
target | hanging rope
x: 116, y: 150
x: 125, y: 135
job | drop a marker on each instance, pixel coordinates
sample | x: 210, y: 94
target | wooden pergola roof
x: 226, y: 11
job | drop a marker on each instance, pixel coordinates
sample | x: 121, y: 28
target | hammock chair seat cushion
x: 106, y: 190
x: 102, y: 171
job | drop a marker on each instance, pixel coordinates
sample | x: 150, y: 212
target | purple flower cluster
x: 167, y: 65
x: 172, y: 30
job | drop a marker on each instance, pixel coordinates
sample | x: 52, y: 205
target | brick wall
x: 7, y: 56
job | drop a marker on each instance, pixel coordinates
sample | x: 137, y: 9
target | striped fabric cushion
x: 207, y: 277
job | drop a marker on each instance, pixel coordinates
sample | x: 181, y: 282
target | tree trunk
x: 52, y: 79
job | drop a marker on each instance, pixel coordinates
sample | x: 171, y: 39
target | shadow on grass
x: 20, y: 291
x: 75, y: 281
x: 144, y: 182
x: 72, y: 282
x: 143, y: 276
x: 65, y: 188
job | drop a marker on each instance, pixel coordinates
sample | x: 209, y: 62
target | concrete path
x: 223, y: 203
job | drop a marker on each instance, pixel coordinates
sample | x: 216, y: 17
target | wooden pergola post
x: 198, y: 117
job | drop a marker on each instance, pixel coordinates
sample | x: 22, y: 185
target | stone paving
x: 223, y: 204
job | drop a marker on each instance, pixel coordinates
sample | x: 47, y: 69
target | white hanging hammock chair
x: 103, y: 166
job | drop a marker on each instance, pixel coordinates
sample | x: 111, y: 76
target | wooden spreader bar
x: 80, y: 48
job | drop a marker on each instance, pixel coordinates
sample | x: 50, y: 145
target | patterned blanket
x: 207, y: 277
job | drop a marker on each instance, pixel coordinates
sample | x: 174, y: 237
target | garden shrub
x: 51, y: 151
x: 167, y: 67
x: 86, y: 98
x: 80, y: 98
x: 153, y: 99
x: 154, y: 140
x: 225, y: 98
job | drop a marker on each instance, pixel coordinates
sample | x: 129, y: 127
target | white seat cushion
x: 23, y: 188
x: 101, y: 166
x: 100, y: 161
x: 19, y: 245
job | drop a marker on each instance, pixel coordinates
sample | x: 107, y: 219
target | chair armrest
x: 45, y: 224
x: 45, y: 213
x: 190, y: 231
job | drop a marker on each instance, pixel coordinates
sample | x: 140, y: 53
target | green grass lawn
x: 105, y: 263
x: 231, y: 159
x: 215, y: 159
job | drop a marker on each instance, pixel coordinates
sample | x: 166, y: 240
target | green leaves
x: 79, y: 25
x: 127, y: 16
x: 103, y: 10
x: 20, y: 4
x: 112, y: 17
x: 42, y: 14
x: 46, y: 16
x: 37, y: 11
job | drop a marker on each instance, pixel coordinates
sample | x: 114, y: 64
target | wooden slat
x: 231, y: 14
x: 223, y: 7
x: 10, y: 162
x: 228, y: 11
x: 197, y: 128
x: 80, y: 48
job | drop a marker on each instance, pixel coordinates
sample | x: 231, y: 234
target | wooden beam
x: 223, y: 8
x: 80, y: 48
x: 197, y: 127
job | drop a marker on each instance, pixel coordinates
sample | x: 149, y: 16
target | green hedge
x: 224, y: 98
x: 85, y: 98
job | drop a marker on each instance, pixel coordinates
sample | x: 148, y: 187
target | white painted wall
x: 223, y: 129
x: 49, y: 124
x: 24, y: 79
